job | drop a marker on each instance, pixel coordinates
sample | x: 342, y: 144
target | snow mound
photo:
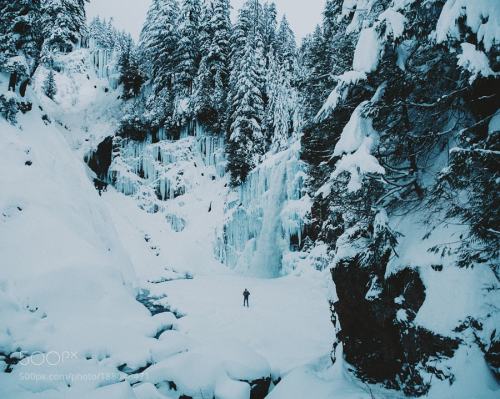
x: 368, y: 51
x: 356, y: 142
x: 481, y: 16
x: 475, y: 62
x: 340, y: 93
x: 206, y: 369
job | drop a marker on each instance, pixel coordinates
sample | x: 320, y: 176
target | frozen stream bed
x: 287, y: 321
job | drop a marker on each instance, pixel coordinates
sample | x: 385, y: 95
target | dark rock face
x: 25, y: 107
x: 100, y: 160
x: 128, y: 370
x: 259, y: 388
x: 10, y: 360
x: 378, y: 336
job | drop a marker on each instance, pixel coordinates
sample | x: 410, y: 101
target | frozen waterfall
x: 265, y: 219
x: 169, y: 167
x: 105, y: 64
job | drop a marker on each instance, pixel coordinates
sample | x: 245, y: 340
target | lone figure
x: 246, y: 294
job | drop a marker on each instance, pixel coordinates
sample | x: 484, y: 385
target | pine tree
x: 213, y: 74
x: 219, y: 51
x: 49, y: 85
x: 121, y: 41
x: 318, y: 75
x: 413, y: 109
x: 9, y: 109
x: 110, y: 34
x: 281, y: 97
x: 202, y: 97
x: 159, y: 43
x: 473, y: 172
x: 64, y: 23
x: 246, y: 23
x: 103, y: 34
x: 246, y: 30
x: 20, y: 34
x: 282, y: 103
x: 96, y: 31
x: 246, y: 141
x: 189, y: 46
x: 333, y: 8
x: 286, y: 47
x: 130, y: 75
x: 269, y: 26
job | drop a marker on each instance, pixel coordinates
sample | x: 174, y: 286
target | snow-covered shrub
x: 134, y: 127
x: 49, y: 85
x: 8, y: 108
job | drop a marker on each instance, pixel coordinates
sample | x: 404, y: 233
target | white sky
x: 129, y: 15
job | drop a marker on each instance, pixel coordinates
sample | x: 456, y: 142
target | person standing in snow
x: 246, y: 294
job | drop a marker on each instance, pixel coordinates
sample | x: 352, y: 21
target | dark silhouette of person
x: 246, y: 294
x: 13, y: 81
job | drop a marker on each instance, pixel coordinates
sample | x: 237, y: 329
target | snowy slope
x: 75, y: 262
x: 85, y: 106
x: 58, y: 244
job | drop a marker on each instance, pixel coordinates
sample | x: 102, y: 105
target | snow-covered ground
x: 67, y: 286
x: 285, y: 322
x: 73, y: 263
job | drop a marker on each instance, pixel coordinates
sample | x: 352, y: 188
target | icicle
x: 268, y: 216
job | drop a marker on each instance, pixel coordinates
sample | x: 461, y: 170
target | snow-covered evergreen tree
x: 246, y: 140
x: 49, y: 85
x: 385, y: 102
x: 282, y: 105
x: 159, y: 43
x: 247, y: 29
x: 286, y: 47
x: 317, y: 76
x: 130, y: 75
x: 202, y: 85
x: 246, y: 23
x: 64, y: 23
x: 102, y: 33
x: 189, y: 46
x: 20, y: 35
x: 269, y: 25
x: 219, y: 51
x: 213, y: 74
x: 8, y: 109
